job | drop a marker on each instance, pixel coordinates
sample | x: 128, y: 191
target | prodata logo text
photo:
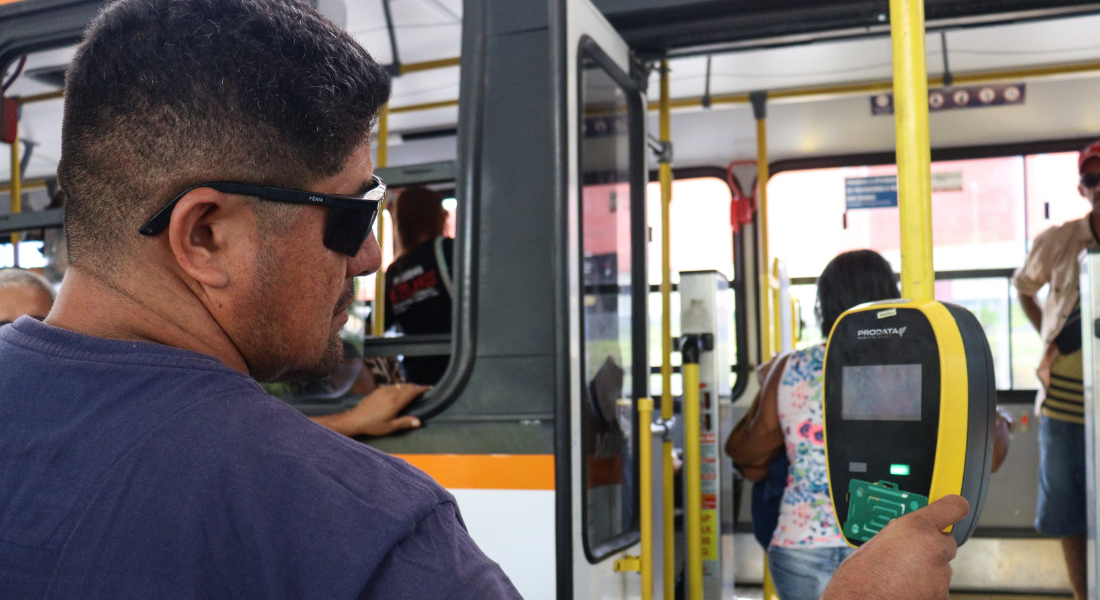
x: 872, y: 334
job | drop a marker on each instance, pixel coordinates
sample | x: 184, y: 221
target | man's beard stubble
x: 273, y: 360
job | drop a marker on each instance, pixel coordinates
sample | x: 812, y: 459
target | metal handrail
x: 408, y: 345
x: 464, y: 305
x: 693, y: 494
x: 668, y: 508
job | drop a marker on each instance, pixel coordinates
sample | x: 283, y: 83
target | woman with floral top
x: 807, y: 546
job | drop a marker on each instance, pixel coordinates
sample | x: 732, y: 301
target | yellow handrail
x: 668, y: 508
x: 378, y: 310
x: 775, y: 322
x: 692, y: 470
x: 913, y: 148
x: 874, y: 87
x: 644, y: 563
x: 429, y: 65
x: 40, y: 97
x: 767, y: 320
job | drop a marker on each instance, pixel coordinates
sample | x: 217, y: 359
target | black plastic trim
x: 36, y: 25
x: 408, y: 345
x: 46, y: 219
x: 471, y: 115
x: 563, y: 398
x: 636, y: 116
x: 981, y: 416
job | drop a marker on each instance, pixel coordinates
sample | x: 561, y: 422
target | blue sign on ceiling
x: 871, y: 192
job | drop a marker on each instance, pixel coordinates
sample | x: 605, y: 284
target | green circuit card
x: 871, y: 506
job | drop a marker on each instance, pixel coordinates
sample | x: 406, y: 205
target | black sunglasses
x: 1090, y: 180
x: 349, y: 222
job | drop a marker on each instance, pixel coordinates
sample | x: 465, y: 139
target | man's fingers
x: 945, y: 512
x: 402, y: 423
x: 406, y: 392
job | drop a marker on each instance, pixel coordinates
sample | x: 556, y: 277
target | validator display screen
x: 881, y: 393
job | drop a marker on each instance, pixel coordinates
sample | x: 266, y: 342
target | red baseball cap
x: 1092, y: 151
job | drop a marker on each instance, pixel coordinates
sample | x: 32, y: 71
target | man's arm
x: 1032, y: 310
x: 439, y: 560
x: 908, y: 560
x: 376, y: 414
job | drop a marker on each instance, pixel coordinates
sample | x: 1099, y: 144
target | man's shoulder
x: 1063, y: 231
x: 263, y: 444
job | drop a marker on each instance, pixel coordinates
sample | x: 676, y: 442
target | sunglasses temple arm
x: 160, y: 221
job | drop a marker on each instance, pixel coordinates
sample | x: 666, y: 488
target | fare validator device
x: 910, y: 405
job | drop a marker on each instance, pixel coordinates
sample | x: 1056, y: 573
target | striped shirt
x: 1065, y: 398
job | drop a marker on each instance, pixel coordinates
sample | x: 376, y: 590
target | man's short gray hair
x: 16, y: 277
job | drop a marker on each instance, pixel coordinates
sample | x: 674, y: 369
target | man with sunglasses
x: 217, y: 165
x: 1053, y: 260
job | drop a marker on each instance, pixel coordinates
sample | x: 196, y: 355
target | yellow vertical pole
x: 767, y: 320
x: 645, y: 456
x: 16, y: 191
x: 776, y: 296
x: 643, y: 564
x: 693, y: 497
x: 769, y: 585
x: 913, y: 153
x: 378, y: 312
x: 668, y: 508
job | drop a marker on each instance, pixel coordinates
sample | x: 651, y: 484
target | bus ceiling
x: 656, y: 28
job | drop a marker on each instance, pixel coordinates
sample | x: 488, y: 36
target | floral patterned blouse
x: 806, y: 518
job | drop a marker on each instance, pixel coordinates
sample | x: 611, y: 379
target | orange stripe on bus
x: 9, y: 1
x: 487, y: 471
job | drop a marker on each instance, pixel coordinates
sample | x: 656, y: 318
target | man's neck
x: 1094, y: 223
x: 168, y: 313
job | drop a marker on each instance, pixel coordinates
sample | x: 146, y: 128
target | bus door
x: 609, y: 367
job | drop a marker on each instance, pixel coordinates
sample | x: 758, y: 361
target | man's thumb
x: 407, y: 422
x: 946, y: 511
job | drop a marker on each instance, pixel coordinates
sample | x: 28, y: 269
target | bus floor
x: 757, y: 593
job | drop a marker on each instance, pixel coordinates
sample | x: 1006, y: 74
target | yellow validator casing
x: 910, y: 405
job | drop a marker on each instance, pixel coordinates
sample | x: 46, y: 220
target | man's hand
x: 908, y: 560
x: 376, y: 415
x: 1003, y: 429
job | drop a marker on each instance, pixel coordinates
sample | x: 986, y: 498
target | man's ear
x: 203, y: 225
x: 1081, y: 190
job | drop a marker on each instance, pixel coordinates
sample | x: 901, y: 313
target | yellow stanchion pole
x: 644, y: 563
x: 16, y: 191
x: 378, y: 311
x: 769, y: 585
x: 776, y: 303
x: 645, y: 454
x: 913, y: 152
x: 767, y: 320
x: 668, y: 508
x: 693, y: 497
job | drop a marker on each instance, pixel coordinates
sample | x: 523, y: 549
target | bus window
x: 607, y: 367
x: 38, y: 87
x: 701, y: 240
x: 359, y: 325
x: 985, y: 213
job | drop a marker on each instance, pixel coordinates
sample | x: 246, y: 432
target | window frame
x: 740, y: 367
x: 588, y: 49
x: 1023, y: 149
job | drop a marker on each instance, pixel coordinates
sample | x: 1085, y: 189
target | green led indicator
x: 899, y: 469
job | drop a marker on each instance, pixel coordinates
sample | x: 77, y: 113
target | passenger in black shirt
x: 418, y: 283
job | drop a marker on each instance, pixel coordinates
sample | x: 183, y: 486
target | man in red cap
x: 1053, y: 260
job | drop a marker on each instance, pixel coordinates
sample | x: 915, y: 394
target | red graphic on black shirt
x: 407, y: 290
